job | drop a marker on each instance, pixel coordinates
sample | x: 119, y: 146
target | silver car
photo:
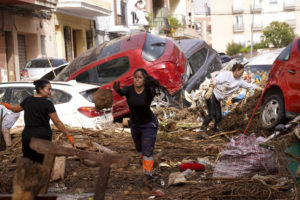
x: 38, y: 67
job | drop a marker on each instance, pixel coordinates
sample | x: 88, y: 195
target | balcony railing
x: 255, y: 8
x: 291, y: 22
x: 237, y: 9
x: 238, y: 27
x: 32, y: 4
x: 289, y: 5
x: 257, y: 26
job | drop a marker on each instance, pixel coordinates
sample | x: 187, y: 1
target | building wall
x: 223, y: 20
x: 80, y: 25
x: 32, y: 28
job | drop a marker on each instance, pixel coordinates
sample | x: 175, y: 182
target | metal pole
x: 251, y: 48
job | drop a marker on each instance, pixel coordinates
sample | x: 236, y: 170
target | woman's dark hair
x: 149, y: 84
x: 40, y: 84
x: 237, y: 66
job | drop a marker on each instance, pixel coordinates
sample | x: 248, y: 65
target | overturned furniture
x: 106, y: 160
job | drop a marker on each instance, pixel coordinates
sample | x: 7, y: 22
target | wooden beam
x: 46, y: 147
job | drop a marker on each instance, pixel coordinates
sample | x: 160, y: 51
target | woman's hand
x: 116, y: 86
x: 7, y: 105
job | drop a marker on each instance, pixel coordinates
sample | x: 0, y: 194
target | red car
x: 281, y: 96
x: 117, y: 60
x: 178, y: 67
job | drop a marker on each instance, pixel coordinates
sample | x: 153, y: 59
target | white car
x: 38, y: 67
x: 73, y: 103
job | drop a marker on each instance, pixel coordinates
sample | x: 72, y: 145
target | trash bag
x: 242, y: 156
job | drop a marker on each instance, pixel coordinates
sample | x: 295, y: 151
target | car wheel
x: 162, y: 99
x: 272, y: 111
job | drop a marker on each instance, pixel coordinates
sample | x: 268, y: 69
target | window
x: 44, y: 63
x: 43, y: 48
x: 198, y: 59
x: 237, y: 5
x: 285, y: 54
x: 19, y: 94
x: 110, y: 49
x: 112, y: 69
x: 88, y: 95
x: 272, y: 2
x: 2, y: 94
x: 58, y: 97
x: 238, y: 20
x: 154, y: 48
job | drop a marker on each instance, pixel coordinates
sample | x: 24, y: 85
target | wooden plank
x: 102, y: 181
x: 45, y: 147
x: 48, y: 163
x: 223, y: 133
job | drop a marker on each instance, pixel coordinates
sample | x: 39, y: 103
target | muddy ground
x: 172, y: 148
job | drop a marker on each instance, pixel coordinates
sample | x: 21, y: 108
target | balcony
x: 256, y: 8
x: 31, y: 4
x: 237, y: 9
x: 88, y: 9
x: 257, y: 26
x: 238, y: 28
x: 291, y: 22
x: 289, y: 5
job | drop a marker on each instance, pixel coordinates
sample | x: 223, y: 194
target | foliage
x: 233, y: 48
x: 261, y: 45
x: 278, y: 34
x: 149, y: 18
x: 245, y: 49
x: 174, y: 23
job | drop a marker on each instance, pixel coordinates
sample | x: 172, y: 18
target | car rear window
x: 154, y: 47
x: 44, y: 63
x: 285, y: 54
x: 58, y: 97
x: 19, y: 94
x: 2, y: 93
x: 88, y: 94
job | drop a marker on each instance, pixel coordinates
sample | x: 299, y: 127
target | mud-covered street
x: 174, y: 146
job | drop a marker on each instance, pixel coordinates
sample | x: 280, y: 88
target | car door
x: 292, y: 78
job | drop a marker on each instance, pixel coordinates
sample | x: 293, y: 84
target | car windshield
x: 44, y: 63
x: 101, y: 51
x: 154, y: 47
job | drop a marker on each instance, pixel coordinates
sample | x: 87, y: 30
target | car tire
x: 273, y: 111
x: 162, y: 99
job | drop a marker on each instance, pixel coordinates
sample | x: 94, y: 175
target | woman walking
x: 143, y: 123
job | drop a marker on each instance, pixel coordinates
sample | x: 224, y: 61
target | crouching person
x: 8, y: 121
x: 143, y: 123
x: 225, y: 84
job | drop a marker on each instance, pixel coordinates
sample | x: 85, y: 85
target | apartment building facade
x: 74, y: 23
x: 231, y: 20
x: 26, y: 31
